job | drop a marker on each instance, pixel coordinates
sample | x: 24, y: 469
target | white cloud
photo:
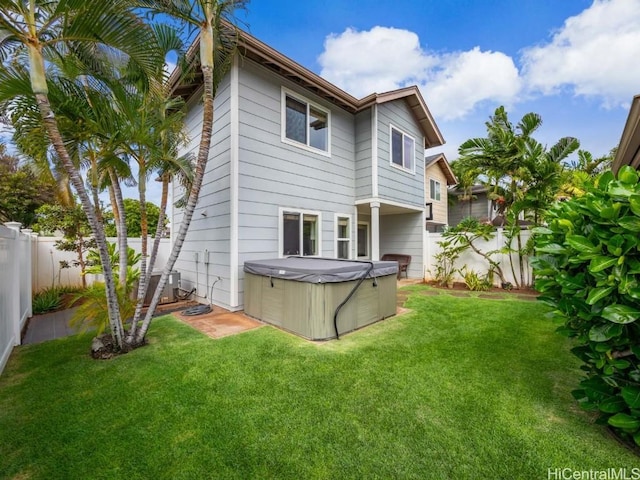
x: 595, y: 53
x: 377, y: 60
x: 465, y: 79
x: 383, y: 59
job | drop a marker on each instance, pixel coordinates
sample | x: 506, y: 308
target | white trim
x: 283, y: 122
x: 367, y: 224
x: 411, y: 170
x: 367, y: 201
x: 374, y: 151
x: 336, y: 217
x: 234, y: 259
x: 302, y: 212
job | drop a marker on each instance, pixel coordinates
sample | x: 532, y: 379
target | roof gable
x: 441, y: 161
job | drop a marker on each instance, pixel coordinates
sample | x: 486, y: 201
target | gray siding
x: 396, y: 184
x: 210, y: 232
x: 479, y: 208
x: 363, y: 155
x: 403, y: 234
x: 274, y: 174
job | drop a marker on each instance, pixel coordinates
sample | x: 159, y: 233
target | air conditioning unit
x: 170, y: 290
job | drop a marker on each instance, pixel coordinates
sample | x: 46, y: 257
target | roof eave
x: 251, y: 47
x: 629, y: 148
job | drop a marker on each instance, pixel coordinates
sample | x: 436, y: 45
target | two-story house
x: 300, y: 167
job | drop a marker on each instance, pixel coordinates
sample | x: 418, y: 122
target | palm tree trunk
x: 144, y: 277
x: 97, y: 229
x: 201, y: 163
x: 121, y: 229
x: 160, y: 227
x: 142, y: 293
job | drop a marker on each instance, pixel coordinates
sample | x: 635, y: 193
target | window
x: 402, y: 149
x: 305, y: 124
x: 300, y: 233
x: 434, y: 190
x: 343, y: 237
x: 363, y: 240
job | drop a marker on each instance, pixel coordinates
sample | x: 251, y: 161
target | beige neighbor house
x: 629, y: 148
x: 438, y: 176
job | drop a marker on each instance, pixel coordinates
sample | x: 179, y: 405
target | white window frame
x: 283, y: 123
x: 302, y: 213
x: 349, y: 239
x: 367, y: 226
x: 402, y: 167
x: 432, y: 183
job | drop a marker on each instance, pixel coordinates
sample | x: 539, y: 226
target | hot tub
x: 301, y: 294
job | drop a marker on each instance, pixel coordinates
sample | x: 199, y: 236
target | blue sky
x: 574, y: 62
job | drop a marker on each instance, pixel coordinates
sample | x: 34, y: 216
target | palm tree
x: 43, y: 30
x: 218, y: 42
x: 522, y: 174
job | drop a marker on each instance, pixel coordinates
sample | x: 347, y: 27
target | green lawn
x: 460, y: 388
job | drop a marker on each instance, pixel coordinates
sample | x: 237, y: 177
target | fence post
x: 427, y: 256
x: 14, y: 287
x: 34, y: 263
x: 27, y: 268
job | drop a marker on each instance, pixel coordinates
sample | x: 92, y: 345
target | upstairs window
x: 305, y: 124
x: 434, y: 190
x: 402, y: 149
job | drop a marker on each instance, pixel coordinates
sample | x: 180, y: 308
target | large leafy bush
x: 588, y: 269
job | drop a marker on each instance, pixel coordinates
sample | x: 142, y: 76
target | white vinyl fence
x: 47, y: 260
x: 473, y: 261
x: 15, y: 286
x: 29, y: 264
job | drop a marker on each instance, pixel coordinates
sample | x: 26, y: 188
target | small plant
x: 51, y: 299
x: 93, y: 313
x: 445, y: 263
x: 47, y: 300
x: 474, y: 281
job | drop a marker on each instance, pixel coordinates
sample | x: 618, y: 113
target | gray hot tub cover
x: 318, y: 270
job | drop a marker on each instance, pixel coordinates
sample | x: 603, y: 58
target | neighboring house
x: 438, y: 176
x: 475, y: 204
x: 629, y: 149
x: 300, y: 167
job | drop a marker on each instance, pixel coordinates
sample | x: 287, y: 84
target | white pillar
x: 375, y: 230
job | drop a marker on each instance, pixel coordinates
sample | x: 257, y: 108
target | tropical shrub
x: 445, y: 267
x: 46, y: 300
x: 93, y: 311
x: 51, y: 299
x: 588, y: 269
x: 475, y: 282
